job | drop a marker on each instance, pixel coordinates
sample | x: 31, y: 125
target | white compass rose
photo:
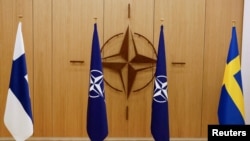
x: 160, y: 89
x: 96, y: 84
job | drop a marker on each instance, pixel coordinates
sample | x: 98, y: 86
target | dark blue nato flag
x: 159, y: 117
x: 97, y: 126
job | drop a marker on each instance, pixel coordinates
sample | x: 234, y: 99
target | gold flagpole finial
x: 95, y: 19
x: 233, y: 22
x: 162, y: 20
x: 20, y: 16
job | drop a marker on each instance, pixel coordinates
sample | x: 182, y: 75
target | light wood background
x: 197, y: 33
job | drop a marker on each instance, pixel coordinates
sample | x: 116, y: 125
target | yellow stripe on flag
x: 232, y: 85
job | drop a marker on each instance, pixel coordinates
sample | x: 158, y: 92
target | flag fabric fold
x: 97, y: 126
x: 231, y: 103
x: 18, y: 113
x: 159, y: 117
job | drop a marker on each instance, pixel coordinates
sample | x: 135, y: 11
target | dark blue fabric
x: 97, y: 126
x: 160, y: 117
x: 233, y: 49
x: 228, y: 111
x: 19, y: 85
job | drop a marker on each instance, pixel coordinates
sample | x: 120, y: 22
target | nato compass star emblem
x: 130, y: 59
x: 160, y: 89
x: 96, y: 84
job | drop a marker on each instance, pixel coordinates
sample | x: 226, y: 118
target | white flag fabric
x: 18, y: 114
x: 245, y: 59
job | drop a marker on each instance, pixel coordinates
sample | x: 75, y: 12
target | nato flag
x: 159, y: 118
x: 97, y: 126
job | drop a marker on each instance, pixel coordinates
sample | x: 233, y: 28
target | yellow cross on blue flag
x: 231, y: 104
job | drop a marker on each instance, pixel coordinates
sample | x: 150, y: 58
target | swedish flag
x: 231, y: 104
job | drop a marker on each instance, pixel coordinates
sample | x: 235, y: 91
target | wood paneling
x: 140, y: 102
x: 56, y: 32
x: 184, y: 23
x: 72, y: 36
x: 7, y: 37
x: 43, y: 68
x: 219, y: 17
x: 115, y: 13
x: 9, y: 17
x: 128, y: 111
x: 67, y: 102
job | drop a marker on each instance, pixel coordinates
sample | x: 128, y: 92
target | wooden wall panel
x: 115, y: 21
x: 7, y: 36
x: 10, y: 13
x: 219, y: 16
x: 71, y: 29
x: 43, y: 68
x: 116, y: 17
x: 67, y: 104
x: 56, y: 32
x: 142, y: 18
x: 128, y: 111
x: 141, y: 22
x: 184, y: 23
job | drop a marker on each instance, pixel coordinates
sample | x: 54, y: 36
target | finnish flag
x: 18, y: 114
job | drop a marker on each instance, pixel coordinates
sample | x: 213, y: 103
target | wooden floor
x: 108, y: 139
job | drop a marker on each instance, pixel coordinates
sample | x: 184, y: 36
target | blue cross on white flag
x: 18, y: 115
x: 97, y: 126
x: 159, y: 117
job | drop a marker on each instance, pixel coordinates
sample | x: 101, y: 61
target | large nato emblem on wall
x: 128, y: 61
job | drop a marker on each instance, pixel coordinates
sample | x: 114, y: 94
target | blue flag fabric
x: 159, y: 117
x: 97, y: 125
x: 18, y: 113
x: 231, y: 104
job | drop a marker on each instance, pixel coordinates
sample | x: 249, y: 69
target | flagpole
x: 18, y: 117
x: 162, y: 20
x: 233, y: 22
x: 95, y: 18
x: 97, y: 124
x: 20, y: 17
